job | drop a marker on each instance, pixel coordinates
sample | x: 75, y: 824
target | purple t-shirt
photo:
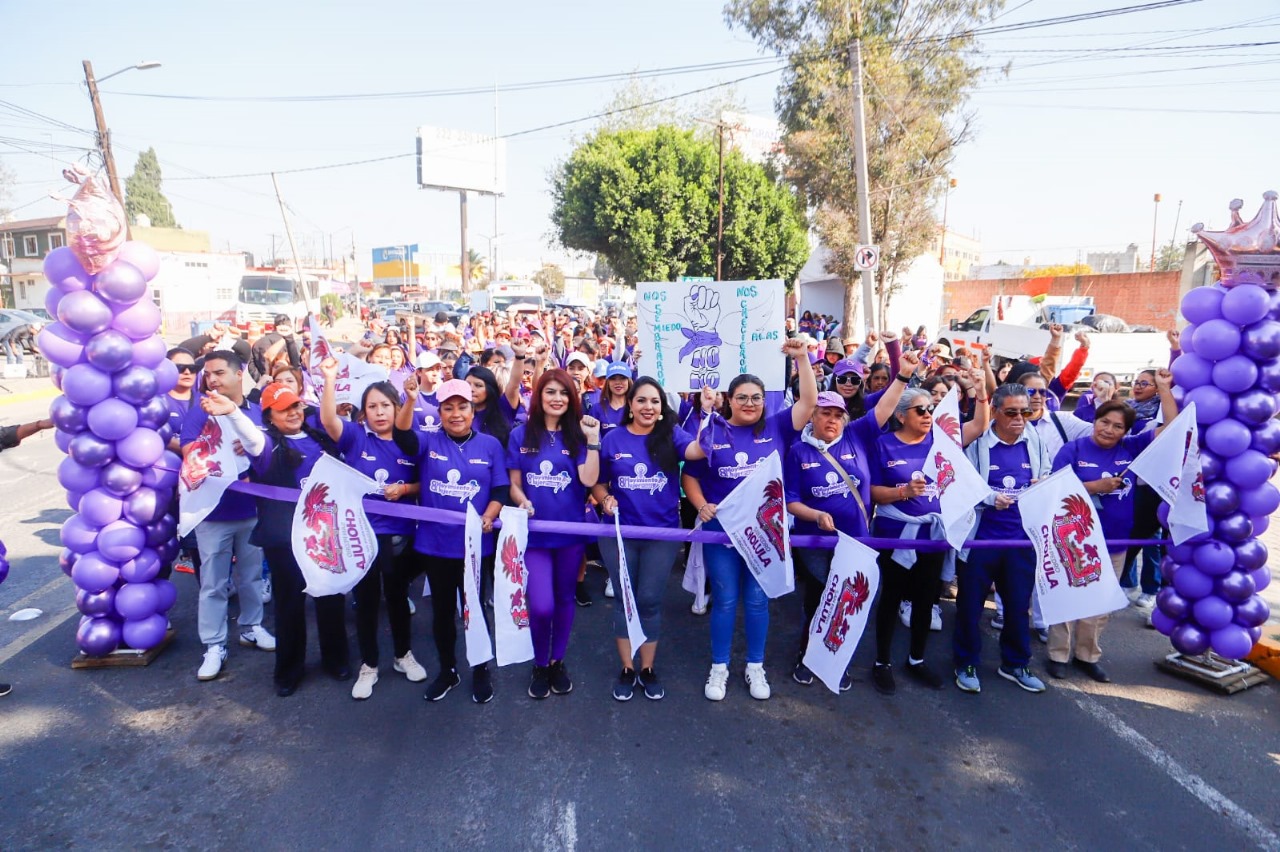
x: 647, y: 495
x: 234, y: 505
x: 381, y: 460
x: 1010, y: 474
x: 452, y: 476
x: 810, y: 479
x: 610, y: 418
x: 894, y: 463
x: 733, y: 452
x: 178, y: 409
x: 426, y: 417
x: 1091, y: 463
x: 549, y: 478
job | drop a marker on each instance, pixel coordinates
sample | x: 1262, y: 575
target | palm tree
x: 478, y: 264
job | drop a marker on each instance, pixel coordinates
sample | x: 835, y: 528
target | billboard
x: 459, y: 159
x: 395, y: 264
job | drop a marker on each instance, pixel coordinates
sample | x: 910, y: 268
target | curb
x: 27, y: 396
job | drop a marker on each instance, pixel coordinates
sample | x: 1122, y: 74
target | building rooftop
x: 34, y: 224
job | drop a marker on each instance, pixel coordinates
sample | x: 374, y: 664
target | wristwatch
x: 595, y: 447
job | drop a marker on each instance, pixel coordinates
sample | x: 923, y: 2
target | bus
x: 502, y: 296
x: 264, y: 294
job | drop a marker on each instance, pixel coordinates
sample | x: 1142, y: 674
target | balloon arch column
x: 1230, y: 368
x: 112, y: 422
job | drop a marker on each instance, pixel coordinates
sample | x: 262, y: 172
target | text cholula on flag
x: 754, y: 517
x: 479, y: 648
x: 332, y: 538
x: 843, y: 609
x: 1171, y: 466
x: 512, y: 639
x: 960, y: 486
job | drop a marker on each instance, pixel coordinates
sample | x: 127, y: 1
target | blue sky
x: 1092, y: 120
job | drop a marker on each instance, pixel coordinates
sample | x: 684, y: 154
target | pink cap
x: 831, y: 399
x: 452, y: 388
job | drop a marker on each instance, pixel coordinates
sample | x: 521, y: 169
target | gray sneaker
x: 1022, y: 677
x: 967, y: 680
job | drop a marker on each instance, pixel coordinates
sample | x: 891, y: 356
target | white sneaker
x: 258, y: 637
x: 935, y: 621
x: 266, y: 590
x: 363, y: 686
x: 1132, y: 592
x: 413, y: 610
x: 904, y: 613
x: 608, y: 588
x: 701, y: 610
x: 758, y: 683
x: 717, y: 682
x: 212, y: 664
x: 1145, y: 601
x: 410, y: 668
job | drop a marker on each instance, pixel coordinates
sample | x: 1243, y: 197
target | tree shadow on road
x: 53, y: 520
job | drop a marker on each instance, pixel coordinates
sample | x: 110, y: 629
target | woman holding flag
x: 907, y: 508
x: 736, y: 441
x: 639, y: 484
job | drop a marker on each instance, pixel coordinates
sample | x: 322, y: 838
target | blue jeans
x: 1150, y: 578
x: 1013, y: 572
x: 730, y: 580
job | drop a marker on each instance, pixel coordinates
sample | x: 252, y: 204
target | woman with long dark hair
x: 494, y: 412
x: 551, y: 461
x: 639, y: 482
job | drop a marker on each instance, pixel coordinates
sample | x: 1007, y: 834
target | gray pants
x: 217, y: 542
x: 649, y: 564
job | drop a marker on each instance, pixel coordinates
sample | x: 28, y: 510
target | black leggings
x: 291, y: 620
x: 388, y: 578
x: 919, y: 585
x: 445, y: 577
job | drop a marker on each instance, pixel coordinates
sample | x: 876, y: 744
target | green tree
x: 1060, y: 269
x: 7, y: 180
x: 1170, y: 257
x: 920, y: 62
x: 551, y: 278
x: 478, y: 264
x: 142, y: 195
x: 646, y: 202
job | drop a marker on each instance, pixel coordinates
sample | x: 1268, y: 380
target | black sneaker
x: 5, y: 689
x: 653, y: 690
x: 582, y: 596
x: 882, y: 677
x: 440, y: 687
x: 846, y: 681
x: 481, y: 685
x: 540, y: 683
x: 559, y: 675
x: 626, y: 685
x: 925, y: 675
x: 801, y: 674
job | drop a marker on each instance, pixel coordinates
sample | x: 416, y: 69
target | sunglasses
x: 922, y: 410
x: 849, y: 379
x: 186, y: 368
x: 1017, y: 412
x: 1037, y: 391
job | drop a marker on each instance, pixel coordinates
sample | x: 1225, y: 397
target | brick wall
x: 1140, y: 298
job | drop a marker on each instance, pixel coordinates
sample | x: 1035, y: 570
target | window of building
x: 22, y: 290
x: 6, y: 246
x: 30, y: 246
x: 224, y: 294
x: 56, y: 240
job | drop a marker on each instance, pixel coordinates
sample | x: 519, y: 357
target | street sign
x: 866, y: 258
x: 684, y: 278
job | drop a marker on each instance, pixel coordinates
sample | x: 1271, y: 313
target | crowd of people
x: 552, y: 412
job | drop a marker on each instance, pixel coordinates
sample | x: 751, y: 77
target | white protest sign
x: 697, y: 333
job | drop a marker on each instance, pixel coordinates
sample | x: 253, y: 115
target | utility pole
x: 104, y: 135
x: 942, y: 242
x: 288, y: 232
x: 863, y: 194
x: 720, y: 195
x: 465, y: 266
x: 1155, y: 223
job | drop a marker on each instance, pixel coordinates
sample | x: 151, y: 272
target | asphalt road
x: 151, y: 758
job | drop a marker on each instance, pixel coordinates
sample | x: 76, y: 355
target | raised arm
x: 589, y: 470
x: 329, y: 418
x: 802, y: 410
x: 404, y: 416
x: 889, y: 399
x: 1168, y: 405
x: 981, y: 412
x: 1052, y: 352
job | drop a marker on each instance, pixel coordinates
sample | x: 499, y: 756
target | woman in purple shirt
x: 494, y: 411
x: 612, y: 407
x: 552, y: 460
x: 735, y: 443
x: 640, y: 482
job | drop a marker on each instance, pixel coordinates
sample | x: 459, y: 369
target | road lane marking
x: 56, y: 582
x: 26, y: 640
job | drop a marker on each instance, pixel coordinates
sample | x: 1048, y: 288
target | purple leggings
x: 552, y: 581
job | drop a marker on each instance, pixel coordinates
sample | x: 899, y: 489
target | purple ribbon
x: 697, y: 340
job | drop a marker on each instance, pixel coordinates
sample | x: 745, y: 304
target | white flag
x: 321, y: 349
x: 843, y: 610
x: 479, y: 648
x: 635, y: 634
x: 1171, y: 466
x: 754, y: 517
x: 695, y: 572
x: 1074, y: 577
x: 208, y: 469
x: 354, y: 376
x: 511, y: 634
x: 332, y: 539
x: 960, y: 486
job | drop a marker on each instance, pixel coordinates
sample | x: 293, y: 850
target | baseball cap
x: 426, y: 360
x: 618, y: 368
x: 580, y: 357
x: 831, y: 399
x: 522, y: 333
x: 279, y: 397
x: 848, y: 366
x: 452, y: 388
x: 600, y: 369
x: 814, y: 357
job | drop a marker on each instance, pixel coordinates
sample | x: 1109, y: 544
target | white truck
x: 503, y: 296
x: 1016, y: 327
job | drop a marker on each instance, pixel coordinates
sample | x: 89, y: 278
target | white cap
x: 427, y: 360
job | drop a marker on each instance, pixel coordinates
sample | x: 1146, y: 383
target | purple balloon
x: 67, y: 560
x: 86, y: 385
x: 90, y: 450
x: 146, y: 506
x: 141, y: 569
x: 135, y: 385
x: 94, y: 573
x: 1245, y: 304
x: 60, y: 345
x: 1261, y: 523
x: 55, y: 375
x: 121, y: 541
x: 120, y: 479
x: 1252, y: 612
x: 1164, y: 623
x: 153, y: 412
x: 1234, y: 528
x: 100, y: 508
x: 150, y: 351
x: 1217, y: 339
x: 1254, y: 407
x: 95, y: 603
x: 62, y: 440
x: 1214, y: 558
x: 1235, y: 587
x: 1212, y: 404
x: 112, y: 350
x: 138, y: 600
x: 1192, y: 371
x: 1260, y: 501
x: 1192, y: 583
x: 1249, y: 469
x: 1173, y: 604
x: 1202, y: 304
x: 78, y: 535
x: 1261, y: 340
x: 1234, y: 375
x: 123, y: 283
x: 1210, y: 465
x: 141, y: 256
x: 166, y: 595
x: 1250, y: 555
x: 1261, y: 577
x: 1162, y: 514
x: 1210, y: 612
x: 112, y: 419
x: 98, y: 637
x: 1231, y: 641
x: 1221, y: 497
x: 167, y: 376
x: 76, y: 477
x: 1266, y: 438
x: 84, y: 312
x: 73, y: 500
x: 168, y: 551
x: 52, y: 299
x: 1189, y: 639
x: 167, y: 471
x: 1227, y: 438
x: 1187, y: 341
x: 1255, y: 634
x: 62, y: 264
x: 1181, y: 552
x: 68, y: 416
x: 161, y: 531
x: 140, y: 448
x: 139, y: 321
x: 144, y: 633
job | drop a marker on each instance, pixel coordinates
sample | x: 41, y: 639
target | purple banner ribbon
x: 697, y: 340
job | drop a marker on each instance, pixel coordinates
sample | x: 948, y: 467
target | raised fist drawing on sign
x: 702, y: 341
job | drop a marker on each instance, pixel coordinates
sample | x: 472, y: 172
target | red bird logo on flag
x: 321, y: 517
x: 1071, y: 528
x: 198, y: 465
x: 770, y: 515
x: 853, y: 596
x: 948, y: 424
x: 513, y: 567
x: 946, y: 473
